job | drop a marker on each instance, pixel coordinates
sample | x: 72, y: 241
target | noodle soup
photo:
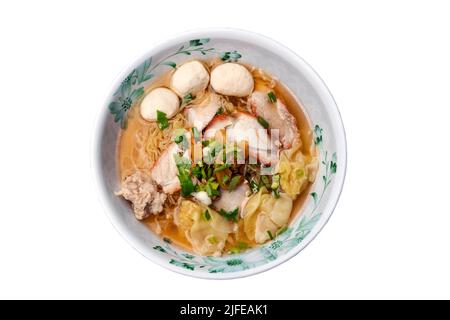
x: 174, y: 157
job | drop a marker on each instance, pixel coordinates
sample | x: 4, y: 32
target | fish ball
x: 232, y: 79
x: 162, y: 99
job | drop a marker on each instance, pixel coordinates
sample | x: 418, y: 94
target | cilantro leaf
x: 161, y: 119
x: 184, y: 165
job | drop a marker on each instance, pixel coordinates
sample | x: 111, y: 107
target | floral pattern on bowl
x: 329, y: 137
x: 132, y: 87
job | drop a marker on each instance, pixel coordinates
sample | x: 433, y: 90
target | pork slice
x: 199, y: 116
x: 241, y: 126
x: 219, y: 122
x: 165, y: 171
x: 277, y: 115
x: 230, y: 200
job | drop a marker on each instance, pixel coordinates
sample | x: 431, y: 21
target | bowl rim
x: 308, y: 72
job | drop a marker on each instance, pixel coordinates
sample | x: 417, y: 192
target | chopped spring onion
x: 276, y: 193
x: 183, y: 165
x: 263, y: 122
x: 212, y: 240
x: 230, y: 215
x: 282, y: 230
x: 272, y: 97
x: 254, y: 186
x: 206, y: 215
x: 234, y: 182
x: 178, y: 139
x: 196, y: 134
x: 275, y: 185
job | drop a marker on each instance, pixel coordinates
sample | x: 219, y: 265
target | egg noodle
x: 158, y: 140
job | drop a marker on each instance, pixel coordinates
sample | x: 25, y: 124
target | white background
x: 387, y: 64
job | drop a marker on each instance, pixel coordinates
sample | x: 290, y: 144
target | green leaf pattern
x: 230, y: 56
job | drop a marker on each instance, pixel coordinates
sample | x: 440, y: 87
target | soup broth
x: 132, y: 155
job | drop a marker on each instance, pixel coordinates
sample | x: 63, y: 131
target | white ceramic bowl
x: 303, y: 82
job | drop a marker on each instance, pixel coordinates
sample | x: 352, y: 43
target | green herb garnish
x: 239, y: 247
x: 230, y: 215
x: 221, y: 167
x: 209, y: 190
x: 161, y: 119
x: 204, y: 173
x: 212, y: 240
x: 233, y: 151
x: 263, y: 122
x: 275, y: 185
x: 225, y: 179
x: 265, y: 181
x: 188, y: 98
x: 254, y: 186
x: 205, y: 143
x: 209, y: 172
x: 220, y: 111
x: 187, y: 186
x: 272, y: 97
x: 183, y: 165
x: 234, y: 182
x: 211, y: 187
x: 270, y: 234
x: 196, y: 134
x: 197, y: 171
x: 178, y: 139
x: 282, y: 230
x: 214, y: 185
x: 276, y: 193
x: 275, y: 181
x: 182, y: 162
x: 206, y: 215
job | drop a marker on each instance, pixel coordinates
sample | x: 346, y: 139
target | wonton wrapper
x: 206, y: 237
x: 296, y: 170
x: 265, y: 213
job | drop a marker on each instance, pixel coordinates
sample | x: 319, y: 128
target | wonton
x: 264, y: 215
